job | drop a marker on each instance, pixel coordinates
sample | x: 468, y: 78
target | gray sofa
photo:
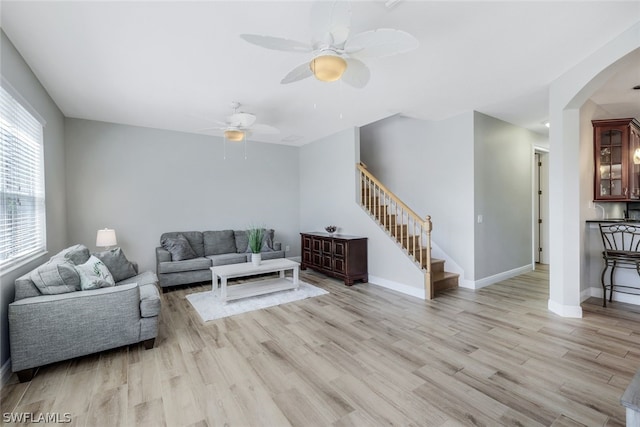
x: 211, y: 248
x: 48, y: 328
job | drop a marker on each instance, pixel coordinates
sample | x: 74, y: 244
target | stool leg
x: 613, y: 268
x: 604, y: 287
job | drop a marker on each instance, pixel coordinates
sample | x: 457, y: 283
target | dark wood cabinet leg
x: 25, y: 375
x: 148, y: 344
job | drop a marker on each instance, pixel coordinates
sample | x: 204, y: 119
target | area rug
x: 209, y: 307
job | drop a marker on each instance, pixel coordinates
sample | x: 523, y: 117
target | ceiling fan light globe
x: 234, y: 135
x: 328, y: 68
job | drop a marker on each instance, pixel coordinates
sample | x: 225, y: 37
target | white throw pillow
x: 94, y: 274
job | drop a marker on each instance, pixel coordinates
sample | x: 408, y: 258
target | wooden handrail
x: 396, y: 199
x: 407, y: 228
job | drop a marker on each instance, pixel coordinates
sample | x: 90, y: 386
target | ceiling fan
x: 335, y: 54
x: 239, y: 125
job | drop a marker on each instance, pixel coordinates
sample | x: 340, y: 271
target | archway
x: 567, y: 94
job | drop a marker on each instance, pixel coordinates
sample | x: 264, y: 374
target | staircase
x: 411, y: 232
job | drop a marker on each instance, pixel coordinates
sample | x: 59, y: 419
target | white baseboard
x: 486, y: 281
x: 399, y: 287
x: 565, y: 310
x: 596, y: 291
x: 469, y: 284
x: 587, y: 293
x: 5, y: 372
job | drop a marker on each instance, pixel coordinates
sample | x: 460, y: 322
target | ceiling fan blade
x: 277, y: 43
x: 302, y: 71
x: 241, y: 119
x: 379, y: 43
x: 263, y: 129
x: 330, y: 22
x: 357, y: 73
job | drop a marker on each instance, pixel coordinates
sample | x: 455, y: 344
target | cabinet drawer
x: 316, y: 245
x: 339, y: 265
x: 326, y: 246
x: 306, y: 257
x: 339, y: 249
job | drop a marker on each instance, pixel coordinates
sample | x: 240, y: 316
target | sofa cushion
x: 76, y: 254
x: 272, y: 255
x: 193, y: 237
x: 149, y: 301
x: 224, y: 259
x: 56, y: 277
x: 242, y: 241
x: 94, y: 274
x: 187, y: 265
x: 144, y: 278
x: 117, y: 263
x: 267, y: 241
x: 219, y: 242
x: 179, y: 247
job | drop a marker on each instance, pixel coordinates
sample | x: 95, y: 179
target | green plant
x: 255, y: 236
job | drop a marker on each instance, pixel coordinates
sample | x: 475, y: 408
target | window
x: 22, y: 208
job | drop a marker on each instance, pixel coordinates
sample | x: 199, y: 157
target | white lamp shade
x: 106, y: 238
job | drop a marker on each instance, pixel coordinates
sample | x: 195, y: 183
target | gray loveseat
x: 68, y: 323
x: 210, y: 248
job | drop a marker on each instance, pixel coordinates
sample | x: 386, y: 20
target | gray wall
x: 143, y: 182
x: 16, y: 71
x: 328, y: 195
x: 429, y: 165
x: 503, y: 195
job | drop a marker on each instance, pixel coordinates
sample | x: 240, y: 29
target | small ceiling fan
x: 335, y: 54
x: 239, y: 125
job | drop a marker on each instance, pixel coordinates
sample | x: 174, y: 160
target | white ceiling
x: 178, y: 65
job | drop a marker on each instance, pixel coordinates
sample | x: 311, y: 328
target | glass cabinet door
x: 611, y: 163
x: 617, y: 159
x: 634, y: 162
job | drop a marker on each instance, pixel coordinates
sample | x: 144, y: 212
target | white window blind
x: 22, y: 204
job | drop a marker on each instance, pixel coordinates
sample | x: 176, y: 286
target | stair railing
x: 400, y: 221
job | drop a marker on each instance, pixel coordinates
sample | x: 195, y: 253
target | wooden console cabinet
x: 341, y: 256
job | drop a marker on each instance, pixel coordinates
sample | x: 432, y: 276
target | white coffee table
x: 253, y: 288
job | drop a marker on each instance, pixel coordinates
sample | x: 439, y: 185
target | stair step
x: 408, y: 242
x: 376, y: 210
x: 399, y: 230
x: 371, y: 200
x: 380, y: 211
x: 444, y: 280
x: 437, y: 265
x: 388, y: 220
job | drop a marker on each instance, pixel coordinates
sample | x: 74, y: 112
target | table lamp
x: 106, y: 238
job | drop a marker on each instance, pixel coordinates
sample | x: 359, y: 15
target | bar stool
x: 621, y: 243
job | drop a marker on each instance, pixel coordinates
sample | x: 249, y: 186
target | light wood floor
x: 360, y: 356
